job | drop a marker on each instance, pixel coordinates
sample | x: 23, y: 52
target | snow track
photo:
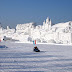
x: 21, y: 58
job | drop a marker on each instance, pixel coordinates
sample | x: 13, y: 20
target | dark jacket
x: 36, y: 49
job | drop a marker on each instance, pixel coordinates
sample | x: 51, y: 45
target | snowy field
x: 19, y: 57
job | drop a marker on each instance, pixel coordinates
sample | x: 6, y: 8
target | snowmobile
x: 3, y: 46
x: 36, y: 49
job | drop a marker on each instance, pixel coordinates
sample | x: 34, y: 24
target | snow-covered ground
x: 19, y: 57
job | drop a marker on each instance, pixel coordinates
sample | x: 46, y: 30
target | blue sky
x: 13, y: 12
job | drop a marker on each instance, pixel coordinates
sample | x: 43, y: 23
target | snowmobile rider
x: 36, y: 49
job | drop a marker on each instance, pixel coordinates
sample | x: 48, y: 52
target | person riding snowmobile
x: 36, y: 49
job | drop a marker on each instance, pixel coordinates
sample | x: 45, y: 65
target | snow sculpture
x: 47, y: 24
x: 1, y: 28
x: 25, y: 28
x: 46, y: 33
x: 8, y: 27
